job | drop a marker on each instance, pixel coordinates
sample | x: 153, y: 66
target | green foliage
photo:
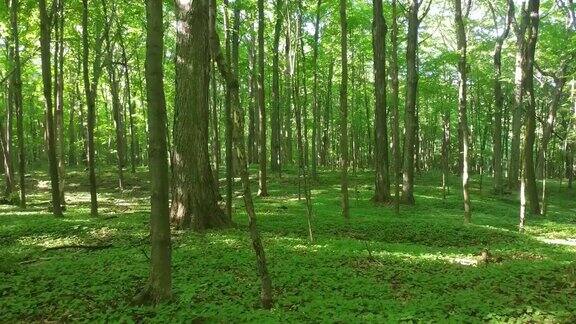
x: 423, y: 265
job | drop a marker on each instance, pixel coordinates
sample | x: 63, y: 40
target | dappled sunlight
x: 49, y: 241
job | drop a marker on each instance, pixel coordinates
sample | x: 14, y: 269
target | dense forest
x: 288, y: 161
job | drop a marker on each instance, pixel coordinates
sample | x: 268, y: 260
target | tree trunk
x: 315, y: 107
x: 344, y: 110
x: 410, y: 120
x: 160, y: 281
x: 462, y: 108
x: 194, y: 192
x: 45, y: 24
x: 382, y: 177
x: 275, y: 118
x: 263, y: 186
x: 59, y: 96
x: 325, y: 157
x: 238, y: 136
x: 394, y: 105
x: 17, y: 97
x: 131, y: 109
x: 90, y: 92
x: 499, y: 104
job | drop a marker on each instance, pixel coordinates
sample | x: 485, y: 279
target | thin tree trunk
x: 394, y: 105
x: 159, y: 286
x: 238, y: 136
x: 131, y: 109
x: 17, y: 97
x: 344, y: 110
x: 275, y: 118
x: 462, y: 108
x: 45, y: 25
x: 263, y: 186
x: 316, y: 104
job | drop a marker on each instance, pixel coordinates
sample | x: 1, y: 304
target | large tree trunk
x: 238, y: 136
x: 194, y: 191
x: 45, y: 24
x: 462, y: 109
x: 275, y: 118
x: 382, y: 177
x: 17, y: 97
x: 159, y: 286
x: 263, y: 185
x: 498, y: 186
x: 344, y: 110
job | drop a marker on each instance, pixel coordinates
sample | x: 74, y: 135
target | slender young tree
x: 17, y: 97
x: 498, y: 186
x: 263, y: 185
x: 159, y: 287
x: 275, y: 117
x: 382, y: 177
x: 45, y: 38
x: 344, y: 110
x: 462, y: 105
x: 316, y: 104
x: 394, y: 105
x: 90, y: 88
x: 238, y: 136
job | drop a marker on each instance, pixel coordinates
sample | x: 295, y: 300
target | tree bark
x: 344, y: 110
x: 160, y: 281
x: 316, y: 104
x: 238, y: 136
x: 382, y: 177
x: 45, y: 24
x: 394, y: 105
x: 262, y: 183
x: 194, y: 191
x: 275, y: 118
x: 462, y: 107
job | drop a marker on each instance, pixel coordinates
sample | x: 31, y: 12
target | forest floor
x: 423, y: 265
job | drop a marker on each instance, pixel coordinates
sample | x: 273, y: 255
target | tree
x: 382, y: 192
x: 159, y: 286
x: 275, y: 120
x: 263, y: 186
x: 462, y: 108
x: 17, y: 96
x: 45, y: 26
x: 90, y: 88
x: 410, y: 119
x: 344, y: 110
x: 238, y: 137
x: 394, y: 106
x: 194, y: 191
x: 316, y: 104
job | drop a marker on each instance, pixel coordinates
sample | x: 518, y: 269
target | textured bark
x: 238, y: 136
x: 90, y: 88
x: 262, y: 177
x: 498, y: 185
x: 17, y: 97
x: 160, y: 281
x: 382, y: 177
x: 394, y: 106
x: 462, y: 108
x: 344, y: 110
x: 6, y: 128
x: 45, y: 24
x: 253, y: 106
x: 194, y: 192
x: 275, y: 117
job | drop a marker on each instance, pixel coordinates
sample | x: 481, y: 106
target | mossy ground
x: 422, y: 265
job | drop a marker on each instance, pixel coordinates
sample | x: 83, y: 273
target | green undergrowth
x: 422, y: 265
